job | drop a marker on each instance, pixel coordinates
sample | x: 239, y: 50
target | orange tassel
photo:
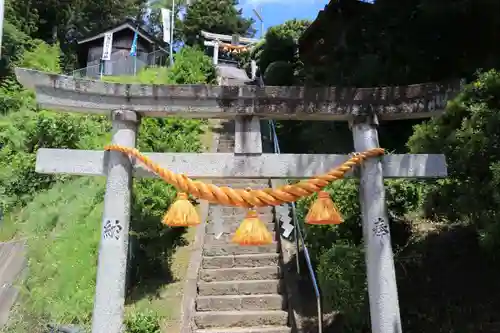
x: 323, y: 211
x: 181, y: 213
x: 252, y: 231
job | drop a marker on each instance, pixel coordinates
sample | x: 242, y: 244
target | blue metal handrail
x: 298, y: 233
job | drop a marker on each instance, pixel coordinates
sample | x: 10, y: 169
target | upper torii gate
x: 216, y: 40
x: 125, y: 104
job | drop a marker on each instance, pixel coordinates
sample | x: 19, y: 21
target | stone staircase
x: 239, y: 287
x: 12, y: 267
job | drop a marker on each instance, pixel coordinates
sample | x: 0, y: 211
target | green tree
x: 280, y: 45
x: 467, y: 133
x: 65, y: 21
x: 392, y: 42
x: 215, y: 16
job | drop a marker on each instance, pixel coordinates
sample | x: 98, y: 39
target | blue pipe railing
x: 299, y: 236
x: 298, y: 232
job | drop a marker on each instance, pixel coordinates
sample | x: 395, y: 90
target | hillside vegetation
x: 60, y: 215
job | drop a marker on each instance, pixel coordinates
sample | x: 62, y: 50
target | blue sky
x: 278, y: 11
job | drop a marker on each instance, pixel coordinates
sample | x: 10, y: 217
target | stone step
x: 226, y: 138
x: 230, y: 228
x: 240, y: 211
x: 236, y: 221
x: 227, y: 239
x: 221, y: 249
x: 239, y: 302
x: 226, y: 144
x: 240, y: 273
x: 230, y: 221
x: 214, y: 319
x: 237, y: 218
x: 248, y: 287
x: 227, y: 235
x: 261, y: 329
x: 243, y: 260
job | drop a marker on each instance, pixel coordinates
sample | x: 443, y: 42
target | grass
x: 62, y: 229
x: 167, y: 300
x: 155, y: 75
x: 62, y: 226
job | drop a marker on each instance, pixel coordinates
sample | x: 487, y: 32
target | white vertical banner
x: 2, y: 7
x: 165, y: 18
x: 107, y: 46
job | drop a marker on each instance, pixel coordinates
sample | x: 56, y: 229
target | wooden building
x: 150, y: 52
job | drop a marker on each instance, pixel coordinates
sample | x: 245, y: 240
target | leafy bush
x: 281, y: 45
x: 13, y: 98
x: 279, y: 73
x: 402, y: 197
x: 342, y: 279
x: 23, y: 133
x: 14, y: 44
x: 42, y: 56
x: 143, y: 322
x: 192, y: 66
x: 153, y: 242
x: 467, y: 133
x: 337, y: 249
x: 27, y: 53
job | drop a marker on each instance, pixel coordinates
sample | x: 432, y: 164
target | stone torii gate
x: 127, y: 103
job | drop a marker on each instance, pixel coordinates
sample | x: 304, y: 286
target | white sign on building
x: 107, y: 46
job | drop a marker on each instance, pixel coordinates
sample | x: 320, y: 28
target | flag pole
x: 2, y: 6
x: 133, y: 48
x: 172, y: 24
x: 135, y: 56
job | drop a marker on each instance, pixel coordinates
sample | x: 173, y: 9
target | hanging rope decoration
x: 252, y: 231
x: 235, y: 49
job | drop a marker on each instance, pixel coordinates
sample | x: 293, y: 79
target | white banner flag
x: 165, y: 17
x: 107, y: 46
